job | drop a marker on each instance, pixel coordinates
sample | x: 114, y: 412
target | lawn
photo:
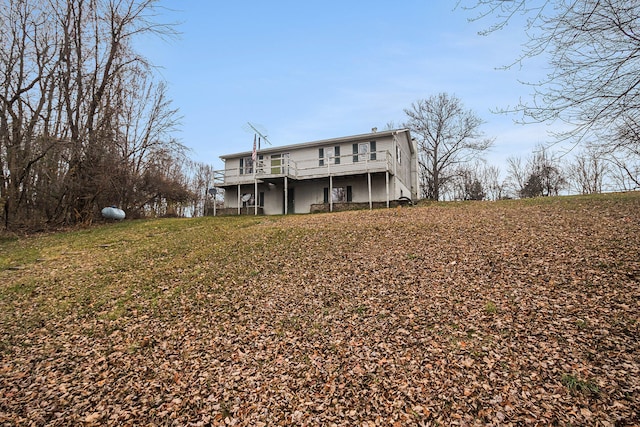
x: 475, y: 313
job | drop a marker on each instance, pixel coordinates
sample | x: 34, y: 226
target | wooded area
x: 84, y: 122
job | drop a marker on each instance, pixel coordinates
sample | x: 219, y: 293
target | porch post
x: 369, y: 183
x: 215, y: 195
x: 330, y: 193
x: 286, y: 195
x: 387, y: 185
x: 255, y: 196
x: 239, y: 201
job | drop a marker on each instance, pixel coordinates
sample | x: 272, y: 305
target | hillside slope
x: 505, y: 313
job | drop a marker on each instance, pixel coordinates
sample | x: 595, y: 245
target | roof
x: 323, y: 142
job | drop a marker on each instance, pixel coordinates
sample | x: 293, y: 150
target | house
x: 372, y: 169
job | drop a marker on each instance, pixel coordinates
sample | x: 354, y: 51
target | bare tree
x: 546, y: 177
x: 146, y: 124
x: 200, y: 181
x: 587, y: 171
x: 165, y: 186
x: 477, y: 181
x: 541, y: 175
x: 447, y: 136
x: 625, y: 172
x: 516, y: 176
x: 468, y: 184
x: 80, y: 111
x: 29, y: 66
x: 593, y: 47
x: 623, y: 151
x: 492, y: 184
x: 98, y: 57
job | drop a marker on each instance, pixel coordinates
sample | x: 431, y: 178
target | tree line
x: 451, y: 163
x: 84, y: 122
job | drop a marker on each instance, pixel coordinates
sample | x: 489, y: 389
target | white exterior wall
x: 308, y: 193
x: 406, y: 166
x: 273, y: 200
x: 395, y: 155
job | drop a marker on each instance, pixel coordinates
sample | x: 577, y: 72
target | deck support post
x: 255, y: 195
x: 286, y: 195
x: 387, y: 185
x: 369, y: 184
x: 330, y: 193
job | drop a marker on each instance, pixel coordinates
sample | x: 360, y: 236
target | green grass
x: 577, y: 385
x: 490, y: 308
x: 115, y: 269
x: 14, y: 255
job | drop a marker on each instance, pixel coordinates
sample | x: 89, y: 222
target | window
x: 246, y: 166
x: 398, y: 154
x: 279, y: 163
x: 276, y: 163
x: 364, y: 151
x: 260, y: 164
x: 339, y: 194
x: 329, y: 155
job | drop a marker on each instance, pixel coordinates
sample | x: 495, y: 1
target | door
x: 363, y: 151
x: 291, y: 205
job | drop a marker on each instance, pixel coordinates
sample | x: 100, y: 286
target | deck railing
x: 348, y: 164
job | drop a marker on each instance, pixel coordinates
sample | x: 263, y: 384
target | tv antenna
x: 258, y: 133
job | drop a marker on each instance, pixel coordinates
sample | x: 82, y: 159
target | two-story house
x: 371, y: 169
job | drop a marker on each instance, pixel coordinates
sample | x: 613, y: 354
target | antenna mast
x: 260, y: 134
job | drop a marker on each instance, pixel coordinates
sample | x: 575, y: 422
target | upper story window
x: 329, y: 155
x: 279, y: 163
x: 398, y: 154
x: 364, y: 151
x: 246, y: 165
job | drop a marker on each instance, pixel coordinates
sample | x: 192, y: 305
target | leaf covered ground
x: 506, y: 313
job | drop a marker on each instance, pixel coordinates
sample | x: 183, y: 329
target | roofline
x: 323, y: 142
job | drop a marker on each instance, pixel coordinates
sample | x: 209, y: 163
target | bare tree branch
x: 593, y: 48
x: 447, y: 135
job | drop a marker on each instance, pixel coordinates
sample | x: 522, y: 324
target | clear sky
x: 309, y: 70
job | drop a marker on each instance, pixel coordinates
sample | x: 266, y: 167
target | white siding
x: 308, y: 173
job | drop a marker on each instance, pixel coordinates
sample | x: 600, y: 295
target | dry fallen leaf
x: 423, y: 316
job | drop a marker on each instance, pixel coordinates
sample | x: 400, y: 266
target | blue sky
x: 309, y: 70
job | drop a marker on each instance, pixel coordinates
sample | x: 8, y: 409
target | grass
x: 490, y: 308
x: 575, y: 384
x: 13, y: 255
